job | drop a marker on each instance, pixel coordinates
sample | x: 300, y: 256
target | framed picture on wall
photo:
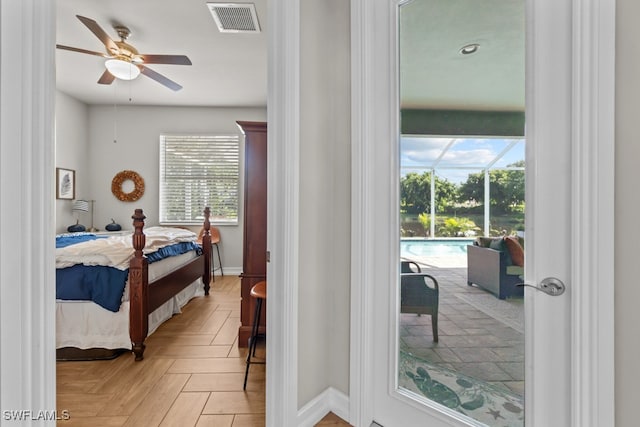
x: 65, y: 184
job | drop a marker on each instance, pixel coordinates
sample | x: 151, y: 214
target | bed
x: 153, y: 289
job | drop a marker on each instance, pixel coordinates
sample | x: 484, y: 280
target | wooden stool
x: 259, y: 292
x: 215, y: 240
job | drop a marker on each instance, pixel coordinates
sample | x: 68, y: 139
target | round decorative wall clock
x: 120, y: 179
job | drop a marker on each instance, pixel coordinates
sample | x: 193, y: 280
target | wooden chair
x: 259, y: 293
x: 416, y: 294
x: 215, y: 240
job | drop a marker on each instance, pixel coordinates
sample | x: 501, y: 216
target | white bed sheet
x: 84, y: 324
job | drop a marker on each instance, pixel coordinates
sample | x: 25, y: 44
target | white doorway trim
x: 282, y: 211
x: 27, y: 293
x: 592, y: 144
x: 360, y: 383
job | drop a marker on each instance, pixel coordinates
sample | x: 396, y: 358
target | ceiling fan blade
x: 159, y: 78
x: 77, y: 49
x: 166, y: 59
x: 106, y: 78
x: 100, y: 33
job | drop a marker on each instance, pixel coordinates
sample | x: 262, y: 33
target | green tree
x: 472, y: 190
x: 506, y: 189
x: 512, y: 184
x: 415, y: 193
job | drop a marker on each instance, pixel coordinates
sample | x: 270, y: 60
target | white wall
x: 627, y: 212
x: 324, y: 199
x: 72, y: 136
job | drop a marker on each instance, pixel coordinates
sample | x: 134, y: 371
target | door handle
x: 550, y: 286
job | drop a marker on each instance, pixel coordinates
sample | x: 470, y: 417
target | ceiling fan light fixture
x: 121, y: 69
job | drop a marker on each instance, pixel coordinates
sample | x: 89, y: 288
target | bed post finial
x: 139, y: 239
x: 206, y: 249
x: 138, y: 296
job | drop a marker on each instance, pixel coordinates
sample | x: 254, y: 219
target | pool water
x: 434, y: 247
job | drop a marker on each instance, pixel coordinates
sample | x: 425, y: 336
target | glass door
x: 474, y: 373
x: 460, y: 326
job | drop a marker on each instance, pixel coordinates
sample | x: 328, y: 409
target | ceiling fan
x: 123, y: 60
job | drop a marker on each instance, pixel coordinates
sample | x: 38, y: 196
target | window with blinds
x: 199, y: 171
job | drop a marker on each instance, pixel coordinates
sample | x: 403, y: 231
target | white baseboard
x: 229, y: 271
x: 330, y: 400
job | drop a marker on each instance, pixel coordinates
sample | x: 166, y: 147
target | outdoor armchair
x: 419, y: 293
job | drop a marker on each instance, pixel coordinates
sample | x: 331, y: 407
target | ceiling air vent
x: 235, y: 17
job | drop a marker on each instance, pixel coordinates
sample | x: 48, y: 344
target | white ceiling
x: 230, y: 70
x: 435, y: 75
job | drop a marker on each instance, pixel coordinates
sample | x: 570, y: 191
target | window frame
x: 210, y: 138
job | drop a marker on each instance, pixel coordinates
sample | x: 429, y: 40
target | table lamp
x: 78, y: 206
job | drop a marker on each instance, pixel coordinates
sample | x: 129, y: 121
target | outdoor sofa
x: 496, y: 264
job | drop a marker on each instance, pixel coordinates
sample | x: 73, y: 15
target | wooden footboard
x: 144, y: 297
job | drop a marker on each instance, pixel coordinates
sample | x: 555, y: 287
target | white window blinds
x: 199, y: 171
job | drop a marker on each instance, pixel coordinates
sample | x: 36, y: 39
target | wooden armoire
x: 254, y: 261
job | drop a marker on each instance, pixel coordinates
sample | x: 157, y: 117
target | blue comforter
x: 101, y: 284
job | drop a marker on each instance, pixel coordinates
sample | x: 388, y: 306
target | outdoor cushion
x: 497, y: 244
x: 515, y: 250
x: 514, y: 270
x: 483, y: 242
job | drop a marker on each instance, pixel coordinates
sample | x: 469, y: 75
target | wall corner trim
x: 330, y: 400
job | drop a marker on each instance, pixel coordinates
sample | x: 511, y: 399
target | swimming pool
x: 433, y: 247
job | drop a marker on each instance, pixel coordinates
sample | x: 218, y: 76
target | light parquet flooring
x: 332, y: 419
x: 191, y: 375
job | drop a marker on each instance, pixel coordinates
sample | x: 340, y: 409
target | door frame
x: 283, y: 135
x: 592, y: 175
x: 27, y: 162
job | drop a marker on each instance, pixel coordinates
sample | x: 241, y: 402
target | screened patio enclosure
x: 461, y: 186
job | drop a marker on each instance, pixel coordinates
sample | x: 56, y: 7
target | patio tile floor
x: 470, y: 340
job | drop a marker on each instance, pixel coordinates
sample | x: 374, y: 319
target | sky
x: 462, y: 155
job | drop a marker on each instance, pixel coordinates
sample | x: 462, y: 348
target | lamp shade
x: 80, y: 205
x: 122, y: 69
